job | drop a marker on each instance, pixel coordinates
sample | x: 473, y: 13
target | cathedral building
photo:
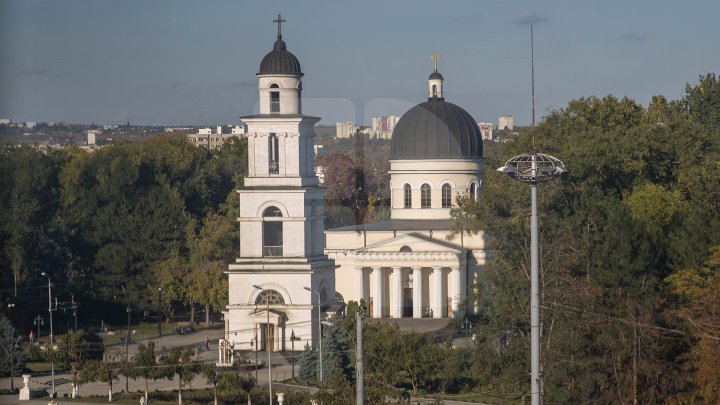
x: 410, y: 266
x: 406, y: 267
x: 282, y: 274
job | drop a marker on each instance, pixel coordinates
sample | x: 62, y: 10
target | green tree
x: 308, y: 365
x: 144, y: 365
x: 178, y: 362
x: 13, y: 352
x: 98, y: 370
x: 209, y: 252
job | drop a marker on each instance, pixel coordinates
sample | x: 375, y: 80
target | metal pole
x: 127, y: 346
x: 320, y: 340
x: 50, y: 344
x: 159, y: 311
x: 269, y: 347
x: 292, y: 359
x: 359, y: 366
x: 267, y: 340
x: 12, y: 364
x: 534, y: 295
x: 319, y: 332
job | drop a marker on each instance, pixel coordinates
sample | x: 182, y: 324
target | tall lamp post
x: 159, y: 312
x: 127, y: 347
x: 267, y: 336
x: 534, y: 168
x: 52, y: 336
x: 319, y: 332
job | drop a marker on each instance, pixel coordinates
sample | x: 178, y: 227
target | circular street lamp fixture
x: 533, y: 168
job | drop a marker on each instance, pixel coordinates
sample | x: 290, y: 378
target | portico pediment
x: 416, y: 243
x: 261, y: 315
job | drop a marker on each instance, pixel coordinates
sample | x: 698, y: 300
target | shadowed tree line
x: 111, y: 227
x: 629, y: 253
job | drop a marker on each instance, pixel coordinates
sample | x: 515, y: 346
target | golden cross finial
x: 435, y: 58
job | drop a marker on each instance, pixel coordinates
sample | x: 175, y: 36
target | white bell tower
x: 281, y: 219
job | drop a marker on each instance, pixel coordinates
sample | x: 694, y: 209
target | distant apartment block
x: 345, y: 129
x: 214, y: 138
x: 505, y: 122
x: 384, y: 123
x: 486, y: 130
x: 5, y: 121
x: 91, y: 137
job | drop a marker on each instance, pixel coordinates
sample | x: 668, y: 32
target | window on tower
x: 272, y: 232
x: 407, y: 196
x: 446, y: 196
x: 274, y: 99
x: 273, y: 155
x: 425, y: 196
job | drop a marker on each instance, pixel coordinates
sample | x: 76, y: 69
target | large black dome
x: 280, y: 61
x: 436, y: 129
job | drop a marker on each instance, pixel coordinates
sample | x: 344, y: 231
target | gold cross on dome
x: 435, y: 58
x: 279, y: 22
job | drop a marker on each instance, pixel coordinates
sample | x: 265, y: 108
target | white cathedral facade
x: 406, y: 267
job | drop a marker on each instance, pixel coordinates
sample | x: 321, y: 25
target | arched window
x: 274, y: 99
x: 271, y: 297
x: 446, y: 195
x: 273, y: 155
x: 434, y: 90
x: 407, y: 196
x: 272, y: 232
x: 425, y: 196
x: 405, y: 249
x: 474, y: 190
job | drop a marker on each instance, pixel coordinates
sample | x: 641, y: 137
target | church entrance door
x: 267, y: 333
x: 407, y: 309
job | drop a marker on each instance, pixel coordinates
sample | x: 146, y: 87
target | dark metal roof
x: 398, y: 225
x: 280, y: 61
x: 435, y: 76
x: 436, y: 129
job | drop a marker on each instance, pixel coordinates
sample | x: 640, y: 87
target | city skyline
x: 182, y: 63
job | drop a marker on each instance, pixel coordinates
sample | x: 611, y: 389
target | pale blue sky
x: 194, y: 62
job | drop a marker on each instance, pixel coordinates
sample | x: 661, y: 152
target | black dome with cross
x: 280, y: 60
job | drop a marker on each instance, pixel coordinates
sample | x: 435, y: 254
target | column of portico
x: 417, y: 292
x: 437, y: 296
x: 397, y: 293
x: 456, y: 289
x: 359, y: 284
x: 377, y: 284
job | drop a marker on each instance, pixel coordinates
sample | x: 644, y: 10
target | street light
x: 534, y: 168
x: 52, y: 336
x: 127, y: 346
x: 159, y: 312
x: 267, y: 339
x: 38, y: 321
x: 319, y: 333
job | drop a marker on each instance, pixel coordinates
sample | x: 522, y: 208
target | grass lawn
x: 38, y: 367
x: 143, y: 331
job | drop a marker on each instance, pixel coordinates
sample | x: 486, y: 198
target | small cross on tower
x: 279, y: 22
x: 435, y: 58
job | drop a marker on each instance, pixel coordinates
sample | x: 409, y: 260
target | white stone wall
x: 458, y: 173
x: 290, y: 88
